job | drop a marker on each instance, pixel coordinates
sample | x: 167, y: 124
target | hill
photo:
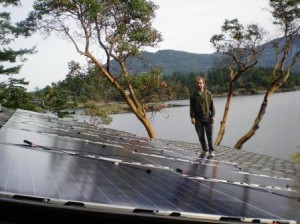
x: 184, y: 62
x: 174, y: 61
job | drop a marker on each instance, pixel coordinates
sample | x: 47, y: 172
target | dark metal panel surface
x: 77, y: 162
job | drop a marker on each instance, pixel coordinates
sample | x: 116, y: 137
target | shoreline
x: 121, y: 107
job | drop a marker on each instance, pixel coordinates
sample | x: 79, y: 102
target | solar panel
x: 87, y: 170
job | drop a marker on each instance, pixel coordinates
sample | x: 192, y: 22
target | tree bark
x: 225, y: 116
x: 239, y: 144
x: 139, y: 111
x: 276, y: 83
x: 136, y: 107
x: 149, y: 127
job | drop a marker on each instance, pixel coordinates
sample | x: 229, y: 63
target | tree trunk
x: 149, y: 127
x: 255, y: 126
x: 136, y: 107
x: 225, y: 116
x: 140, y: 113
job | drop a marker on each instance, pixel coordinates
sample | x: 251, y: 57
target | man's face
x: 200, y: 84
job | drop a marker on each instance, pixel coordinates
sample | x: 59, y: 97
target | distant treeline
x: 76, y: 90
x: 252, y: 81
x: 81, y: 89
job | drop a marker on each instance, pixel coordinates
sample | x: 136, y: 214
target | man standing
x: 202, y: 112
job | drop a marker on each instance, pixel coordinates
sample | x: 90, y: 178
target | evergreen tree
x: 9, y: 63
x: 14, y: 95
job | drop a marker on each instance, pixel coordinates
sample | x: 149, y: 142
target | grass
x: 120, y: 107
x: 296, y: 157
x: 112, y: 108
x: 115, y: 108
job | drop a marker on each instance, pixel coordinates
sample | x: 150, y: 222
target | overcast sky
x: 186, y: 25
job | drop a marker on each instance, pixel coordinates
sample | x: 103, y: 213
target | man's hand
x: 193, y: 120
x: 212, y: 120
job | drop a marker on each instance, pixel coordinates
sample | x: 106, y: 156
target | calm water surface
x: 278, y: 135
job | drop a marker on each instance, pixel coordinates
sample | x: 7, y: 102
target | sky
x: 185, y: 25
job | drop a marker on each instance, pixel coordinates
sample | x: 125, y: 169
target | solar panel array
x: 65, y: 163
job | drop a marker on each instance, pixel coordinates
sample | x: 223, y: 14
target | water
x: 278, y: 135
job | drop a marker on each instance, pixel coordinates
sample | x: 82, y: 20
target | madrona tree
x: 286, y: 16
x: 102, y: 30
x: 240, y: 47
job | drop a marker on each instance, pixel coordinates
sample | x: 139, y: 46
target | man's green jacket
x: 202, y: 104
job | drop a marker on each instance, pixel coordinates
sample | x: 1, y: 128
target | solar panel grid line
x: 21, y: 171
x: 88, y: 141
x: 7, y: 176
x: 116, y: 161
x: 67, y: 151
x: 172, y: 158
x: 105, y: 182
x: 212, y: 201
x: 54, y: 182
x: 254, y: 174
x: 207, y: 179
x: 138, y: 146
x: 178, y: 152
x: 79, y: 186
x: 26, y: 184
x: 268, y: 180
x: 106, y: 144
x: 237, y: 205
x: 86, y: 134
x: 145, y: 188
x: 215, y: 189
x: 240, y: 183
x: 52, y: 187
x: 189, y: 157
x: 43, y: 177
x: 32, y: 176
x: 109, y: 136
x: 263, y: 175
x: 140, y: 190
x: 167, y: 186
x: 258, y: 205
x: 80, y: 139
x: 207, y: 187
x: 102, y: 177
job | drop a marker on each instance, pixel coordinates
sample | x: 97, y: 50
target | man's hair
x: 199, y: 78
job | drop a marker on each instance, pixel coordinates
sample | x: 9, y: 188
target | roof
x: 57, y: 170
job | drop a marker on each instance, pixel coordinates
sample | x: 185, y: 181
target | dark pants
x: 204, y: 127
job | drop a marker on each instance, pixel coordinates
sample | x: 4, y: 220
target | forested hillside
x: 172, y: 61
x: 184, y: 62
